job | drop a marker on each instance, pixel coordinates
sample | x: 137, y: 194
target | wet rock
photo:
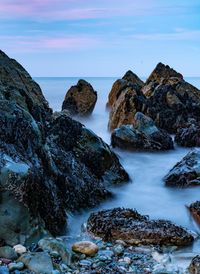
x: 80, y: 99
x: 189, y: 135
x: 16, y: 266
x: 128, y: 225
x: 194, y: 267
x: 143, y: 135
x: 4, y: 270
x: 118, y: 249
x: 195, y: 211
x: 186, y: 172
x: 39, y: 262
x: 16, y: 85
x: 85, y: 247
x: 129, y: 79
x: 19, y: 249
x: 8, y: 252
x: 54, y: 246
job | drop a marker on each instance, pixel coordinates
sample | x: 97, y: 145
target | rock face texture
x: 48, y: 163
x: 189, y: 135
x: 80, y: 99
x: 144, y: 135
x: 165, y: 97
x: 128, y: 225
x: 186, y: 172
x: 16, y: 85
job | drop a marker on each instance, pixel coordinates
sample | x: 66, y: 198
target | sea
x: 146, y: 192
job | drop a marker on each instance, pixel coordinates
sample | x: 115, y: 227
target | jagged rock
x: 16, y: 85
x: 135, y: 229
x: 80, y: 99
x: 189, y: 135
x: 143, y: 135
x: 128, y: 80
x: 130, y: 101
x: 166, y: 97
x: 186, y: 172
x: 194, y: 267
x: 195, y: 211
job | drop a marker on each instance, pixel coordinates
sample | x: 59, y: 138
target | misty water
x: 146, y: 192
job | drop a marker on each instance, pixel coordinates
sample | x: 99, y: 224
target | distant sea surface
x: 147, y: 192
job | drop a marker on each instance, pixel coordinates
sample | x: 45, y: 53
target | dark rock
x: 80, y: 99
x: 128, y: 225
x: 144, y: 135
x: 194, y: 209
x: 194, y: 267
x: 186, y: 172
x: 189, y: 135
x: 16, y: 85
x: 8, y: 252
x: 128, y: 80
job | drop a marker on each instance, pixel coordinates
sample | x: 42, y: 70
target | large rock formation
x: 48, y: 164
x: 166, y: 97
x: 186, y: 172
x: 16, y: 85
x: 143, y: 135
x: 80, y: 99
x: 135, y: 229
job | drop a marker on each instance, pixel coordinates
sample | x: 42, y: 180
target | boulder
x: 189, y: 135
x: 135, y: 229
x: 194, y: 209
x: 143, y: 135
x: 38, y: 262
x: 16, y: 85
x: 194, y: 267
x: 85, y: 247
x: 186, y: 172
x: 80, y: 99
x: 128, y: 80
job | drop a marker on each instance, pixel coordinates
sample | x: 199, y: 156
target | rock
x: 80, y: 99
x: 195, y: 211
x: 189, y: 135
x: 16, y: 266
x: 16, y: 85
x: 165, y: 97
x: 118, y: 249
x: 130, y: 101
x: 39, y: 262
x: 54, y: 246
x: 85, y: 247
x: 4, y: 270
x: 186, y: 172
x: 85, y: 263
x: 8, y: 252
x: 143, y: 135
x: 19, y: 249
x: 129, y: 79
x: 194, y: 267
x: 134, y: 229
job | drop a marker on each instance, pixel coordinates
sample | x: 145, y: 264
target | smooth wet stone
x: 118, y: 249
x: 16, y: 266
x: 8, y: 253
x: 19, y: 249
x: 4, y: 270
x: 85, y: 263
x: 56, y: 247
x: 39, y: 262
x: 85, y: 247
x: 107, y: 253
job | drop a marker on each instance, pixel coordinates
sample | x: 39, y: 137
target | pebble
x: 8, y: 252
x: 85, y: 263
x: 19, y: 249
x: 85, y: 247
x: 118, y: 249
x: 127, y: 260
x: 16, y: 266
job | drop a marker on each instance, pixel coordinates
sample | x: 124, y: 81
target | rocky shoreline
x: 51, y: 165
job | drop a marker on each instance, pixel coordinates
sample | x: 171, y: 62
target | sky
x: 101, y: 37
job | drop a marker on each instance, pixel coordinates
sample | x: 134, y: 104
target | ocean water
x: 147, y: 192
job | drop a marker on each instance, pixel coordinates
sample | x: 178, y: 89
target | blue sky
x: 103, y: 37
